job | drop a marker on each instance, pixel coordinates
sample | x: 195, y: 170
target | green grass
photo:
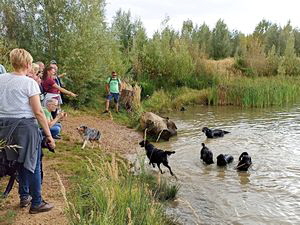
x: 257, y: 92
x: 238, y: 91
x: 104, y: 191
x: 8, y: 218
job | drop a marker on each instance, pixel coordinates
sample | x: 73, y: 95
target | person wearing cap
x: 113, y: 88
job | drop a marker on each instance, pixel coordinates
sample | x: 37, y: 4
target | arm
x: 61, y: 75
x: 120, y: 87
x: 56, y: 119
x: 35, y: 104
x: 107, y: 88
x: 65, y: 91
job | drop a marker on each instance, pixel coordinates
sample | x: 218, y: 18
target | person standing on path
x: 113, y: 88
x: 20, y: 112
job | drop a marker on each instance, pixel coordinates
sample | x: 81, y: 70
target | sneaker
x: 57, y: 137
x: 43, y: 207
x: 24, y: 202
x: 106, y: 111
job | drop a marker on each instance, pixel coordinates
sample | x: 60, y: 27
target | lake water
x: 269, y: 193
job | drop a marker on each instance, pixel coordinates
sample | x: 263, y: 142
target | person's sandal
x: 24, y: 202
x: 43, y: 207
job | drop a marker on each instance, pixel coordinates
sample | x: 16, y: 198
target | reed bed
x: 108, y: 193
x: 257, y: 92
x: 238, y: 91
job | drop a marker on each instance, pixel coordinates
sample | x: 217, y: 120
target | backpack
x: 119, y: 82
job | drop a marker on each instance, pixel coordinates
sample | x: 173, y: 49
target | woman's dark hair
x: 45, y: 72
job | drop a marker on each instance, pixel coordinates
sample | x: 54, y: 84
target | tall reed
x: 256, y: 92
x: 109, y: 194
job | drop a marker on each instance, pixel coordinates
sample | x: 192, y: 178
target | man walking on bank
x: 113, y: 88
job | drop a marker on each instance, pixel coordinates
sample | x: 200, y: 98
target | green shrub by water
x: 164, y: 101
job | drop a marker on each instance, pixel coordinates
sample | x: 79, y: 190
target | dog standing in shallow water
x: 89, y: 134
x: 156, y: 155
x: 206, y: 155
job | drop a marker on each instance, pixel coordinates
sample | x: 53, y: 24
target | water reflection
x: 244, y: 177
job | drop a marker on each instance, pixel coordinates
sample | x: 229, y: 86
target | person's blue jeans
x: 30, y: 183
x: 55, y: 129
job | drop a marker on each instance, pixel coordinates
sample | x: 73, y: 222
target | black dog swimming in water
x: 206, y: 155
x: 156, y: 155
x: 210, y: 133
x: 224, y: 159
x: 244, y: 162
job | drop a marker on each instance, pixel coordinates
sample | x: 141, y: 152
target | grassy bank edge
x: 105, y: 191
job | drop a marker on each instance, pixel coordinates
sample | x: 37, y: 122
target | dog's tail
x: 169, y: 152
x: 203, y: 145
x: 226, y: 132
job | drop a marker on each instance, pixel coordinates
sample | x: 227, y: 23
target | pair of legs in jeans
x: 55, y: 130
x: 30, y: 183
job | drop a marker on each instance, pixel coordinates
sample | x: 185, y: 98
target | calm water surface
x: 267, y: 194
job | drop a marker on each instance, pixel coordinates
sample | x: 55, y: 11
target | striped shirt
x: 15, y: 91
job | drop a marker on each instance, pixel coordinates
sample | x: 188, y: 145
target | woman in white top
x: 20, y: 109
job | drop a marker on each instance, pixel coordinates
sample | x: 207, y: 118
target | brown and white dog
x: 89, y: 134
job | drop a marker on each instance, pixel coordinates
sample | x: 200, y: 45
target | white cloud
x: 242, y: 15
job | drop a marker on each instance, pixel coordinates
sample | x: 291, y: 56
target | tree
x: 202, y: 37
x: 221, y: 47
x: 187, y: 29
x: 289, y: 63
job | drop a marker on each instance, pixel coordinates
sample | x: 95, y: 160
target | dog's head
x: 221, y: 160
x: 242, y: 155
x: 81, y: 129
x: 143, y: 143
x: 204, y: 129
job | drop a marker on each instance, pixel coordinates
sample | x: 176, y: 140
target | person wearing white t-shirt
x: 20, y: 109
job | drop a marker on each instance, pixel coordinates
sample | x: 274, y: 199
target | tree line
x: 76, y: 34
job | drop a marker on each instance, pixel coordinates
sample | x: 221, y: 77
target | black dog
x: 244, y: 162
x: 8, y: 167
x: 214, y: 133
x: 206, y: 155
x: 157, y: 156
x: 224, y: 159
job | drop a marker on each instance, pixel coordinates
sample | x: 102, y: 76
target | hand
x: 50, y: 142
x: 73, y: 95
x: 62, y: 75
x: 61, y: 115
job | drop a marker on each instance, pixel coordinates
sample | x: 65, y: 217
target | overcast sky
x: 241, y: 15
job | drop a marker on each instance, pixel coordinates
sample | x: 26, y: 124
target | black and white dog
x: 210, y: 133
x: 156, y: 155
x: 224, y: 159
x: 244, y: 162
x: 206, y: 155
x: 89, y: 134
